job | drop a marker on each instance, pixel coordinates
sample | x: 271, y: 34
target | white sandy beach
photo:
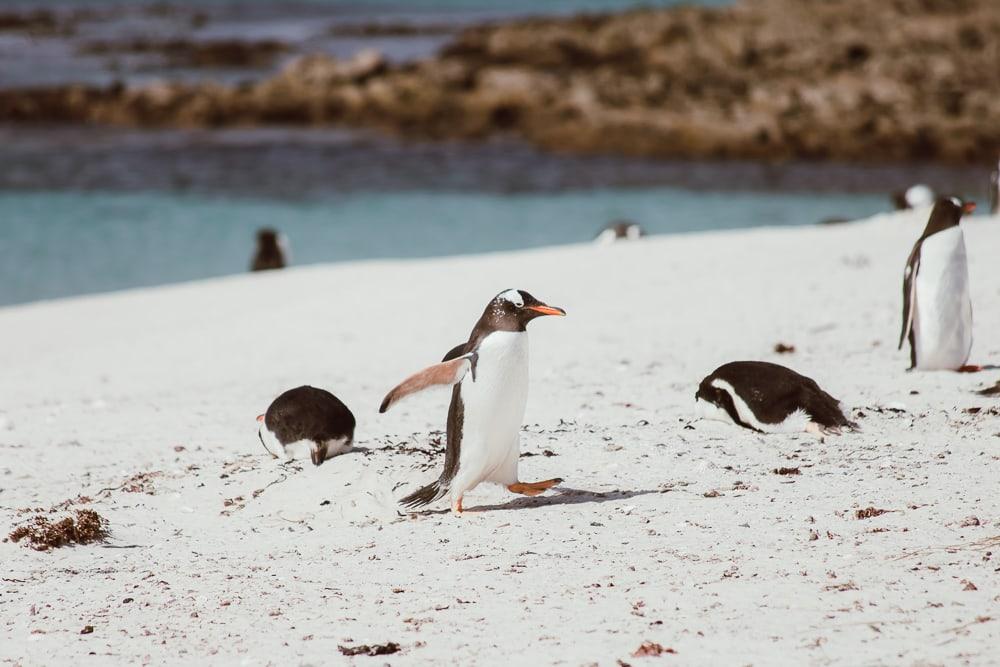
x: 765, y: 569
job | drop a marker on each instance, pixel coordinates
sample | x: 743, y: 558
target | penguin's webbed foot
x: 533, y: 488
x: 814, y: 429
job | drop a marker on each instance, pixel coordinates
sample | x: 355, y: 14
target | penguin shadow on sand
x: 563, y: 496
x: 968, y: 369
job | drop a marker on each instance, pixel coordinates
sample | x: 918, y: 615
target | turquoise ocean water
x: 56, y: 244
x: 87, y: 210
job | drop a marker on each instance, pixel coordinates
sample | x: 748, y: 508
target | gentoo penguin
x: 995, y: 191
x: 306, y: 419
x: 915, y: 196
x: 620, y: 230
x: 937, y: 311
x: 272, y: 251
x: 489, y: 379
x: 769, y: 398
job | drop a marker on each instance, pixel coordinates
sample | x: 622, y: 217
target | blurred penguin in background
x: 995, y: 190
x: 915, y: 196
x: 620, y: 230
x: 272, y: 251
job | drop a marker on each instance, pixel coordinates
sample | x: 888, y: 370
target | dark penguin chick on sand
x: 488, y: 375
x: 272, y: 251
x: 306, y: 419
x: 769, y: 398
x: 937, y: 309
x: 620, y: 230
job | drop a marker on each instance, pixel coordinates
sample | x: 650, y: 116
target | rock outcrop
x: 771, y: 79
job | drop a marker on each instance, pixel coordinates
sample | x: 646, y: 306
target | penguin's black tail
x: 424, y: 495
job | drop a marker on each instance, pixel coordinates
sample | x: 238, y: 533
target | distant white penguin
x: 915, y: 196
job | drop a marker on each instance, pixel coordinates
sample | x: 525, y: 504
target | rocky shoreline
x: 770, y: 79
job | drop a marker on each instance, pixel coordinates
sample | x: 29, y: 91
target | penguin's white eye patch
x: 956, y: 202
x: 513, y: 296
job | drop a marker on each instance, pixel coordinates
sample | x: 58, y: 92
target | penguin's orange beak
x: 260, y: 418
x: 548, y: 310
x: 968, y: 207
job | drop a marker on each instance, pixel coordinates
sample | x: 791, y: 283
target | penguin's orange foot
x: 968, y: 369
x: 456, y: 507
x: 533, y: 488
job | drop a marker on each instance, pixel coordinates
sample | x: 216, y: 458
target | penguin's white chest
x: 494, y: 403
x: 942, y: 324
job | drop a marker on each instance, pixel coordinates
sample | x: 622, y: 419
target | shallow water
x: 57, y: 244
x: 86, y: 209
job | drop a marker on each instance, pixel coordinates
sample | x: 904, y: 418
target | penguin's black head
x: 512, y: 309
x: 947, y: 212
x: 267, y: 238
x: 706, y: 392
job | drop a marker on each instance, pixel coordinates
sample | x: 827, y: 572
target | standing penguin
x: 770, y: 398
x: 937, y: 311
x: 995, y: 190
x: 489, y: 379
x: 271, y: 252
x: 306, y: 419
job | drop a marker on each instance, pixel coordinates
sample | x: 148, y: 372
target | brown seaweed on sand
x: 43, y: 534
x: 649, y: 648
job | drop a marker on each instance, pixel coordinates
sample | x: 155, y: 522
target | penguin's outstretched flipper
x: 455, y: 352
x: 445, y: 374
x: 909, y: 295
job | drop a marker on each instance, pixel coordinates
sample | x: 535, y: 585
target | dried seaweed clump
x: 869, y: 512
x: 649, y: 648
x: 42, y: 534
x: 372, y: 650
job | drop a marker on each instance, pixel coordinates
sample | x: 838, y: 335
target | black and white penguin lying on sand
x: 769, y: 398
x: 306, y: 421
x: 489, y: 379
